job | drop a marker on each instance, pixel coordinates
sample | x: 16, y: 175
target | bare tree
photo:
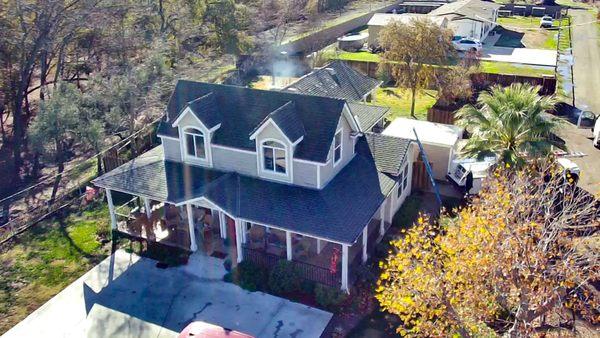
x: 413, y: 51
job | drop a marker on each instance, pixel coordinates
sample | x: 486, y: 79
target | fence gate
x: 420, y: 178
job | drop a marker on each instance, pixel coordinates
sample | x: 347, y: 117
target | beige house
x: 247, y: 174
x: 469, y: 18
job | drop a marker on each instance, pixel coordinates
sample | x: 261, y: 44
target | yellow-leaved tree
x: 520, y: 259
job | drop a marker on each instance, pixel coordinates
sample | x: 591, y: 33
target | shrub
x: 328, y: 297
x: 284, y: 278
x: 307, y: 286
x: 248, y: 276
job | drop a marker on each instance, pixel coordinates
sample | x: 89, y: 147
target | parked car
x: 467, y: 44
x: 589, y: 120
x: 546, y: 21
x: 206, y: 330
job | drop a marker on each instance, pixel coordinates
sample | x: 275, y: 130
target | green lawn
x: 519, y: 31
x: 486, y: 66
x: 47, y: 258
x: 399, y: 100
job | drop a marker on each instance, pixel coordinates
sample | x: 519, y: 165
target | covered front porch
x: 200, y: 226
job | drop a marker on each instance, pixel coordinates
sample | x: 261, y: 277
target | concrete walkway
x: 128, y: 296
x: 526, y: 56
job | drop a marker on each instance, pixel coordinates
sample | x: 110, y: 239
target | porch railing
x: 308, y: 271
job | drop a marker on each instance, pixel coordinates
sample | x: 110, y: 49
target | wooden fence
x: 481, y: 80
x: 32, y: 205
x: 308, y: 271
x: 420, y: 178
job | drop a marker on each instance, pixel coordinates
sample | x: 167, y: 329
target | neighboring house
x: 466, y: 18
x: 469, y: 18
x: 340, y: 81
x: 440, y: 141
x: 266, y: 175
x: 337, y: 80
x: 380, y: 20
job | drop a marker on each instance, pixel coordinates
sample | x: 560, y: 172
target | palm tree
x: 509, y: 122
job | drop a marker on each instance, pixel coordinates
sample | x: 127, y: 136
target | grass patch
x: 508, y: 68
x: 47, y: 258
x: 408, y: 212
x: 399, y: 100
x: 491, y: 67
x: 519, y: 32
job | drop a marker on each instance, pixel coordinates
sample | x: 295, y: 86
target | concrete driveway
x: 526, y: 56
x: 128, y: 296
x: 586, y: 75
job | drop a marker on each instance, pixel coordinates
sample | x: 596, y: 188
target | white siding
x: 232, y: 160
x: 171, y: 149
x: 329, y: 170
x: 439, y: 158
x: 305, y: 174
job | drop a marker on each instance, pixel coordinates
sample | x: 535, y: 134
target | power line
x: 82, y: 162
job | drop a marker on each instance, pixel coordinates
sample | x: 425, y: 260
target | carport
x: 439, y: 140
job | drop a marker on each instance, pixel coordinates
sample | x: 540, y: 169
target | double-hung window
x: 337, y: 147
x: 274, y: 157
x: 403, y: 180
x: 195, y: 143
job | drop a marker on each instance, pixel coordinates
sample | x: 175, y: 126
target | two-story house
x: 266, y: 175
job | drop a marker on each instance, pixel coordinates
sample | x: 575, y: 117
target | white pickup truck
x: 469, y: 173
x: 589, y: 120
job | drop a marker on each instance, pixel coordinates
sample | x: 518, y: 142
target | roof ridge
x: 200, y: 98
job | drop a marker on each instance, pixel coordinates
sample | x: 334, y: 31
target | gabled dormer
x: 276, y: 138
x: 196, y: 125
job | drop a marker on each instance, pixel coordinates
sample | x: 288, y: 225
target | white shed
x: 440, y: 141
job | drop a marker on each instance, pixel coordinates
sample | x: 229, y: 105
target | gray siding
x: 232, y: 160
x: 305, y: 174
x: 329, y: 171
x: 171, y: 149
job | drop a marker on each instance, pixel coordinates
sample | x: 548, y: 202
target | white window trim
x: 274, y: 174
x: 183, y: 131
x: 335, y: 163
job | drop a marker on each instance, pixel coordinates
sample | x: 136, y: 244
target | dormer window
x: 274, y: 157
x: 337, y: 147
x: 195, y: 144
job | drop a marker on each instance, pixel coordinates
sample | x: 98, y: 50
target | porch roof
x: 338, y: 212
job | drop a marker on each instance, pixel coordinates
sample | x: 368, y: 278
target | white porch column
x: 193, y: 245
x: 190, y: 218
x: 147, y: 207
x: 222, y: 225
x: 238, y: 240
x: 382, y: 221
x: 345, y: 267
x: 111, y: 210
x: 319, y: 246
x: 288, y: 245
x: 244, y: 232
x: 365, y: 237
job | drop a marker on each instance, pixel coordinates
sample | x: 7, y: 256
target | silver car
x: 467, y: 44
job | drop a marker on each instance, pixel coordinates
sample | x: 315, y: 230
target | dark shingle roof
x: 338, y: 212
x: 336, y: 79
x: 242, y: 109
x: 205, y: 108
x: 367, y: 116
x: 388, y: 152
x: 166, y: 129
x: 286, y: 119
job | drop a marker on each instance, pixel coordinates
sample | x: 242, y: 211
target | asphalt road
x: 586, y: 75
